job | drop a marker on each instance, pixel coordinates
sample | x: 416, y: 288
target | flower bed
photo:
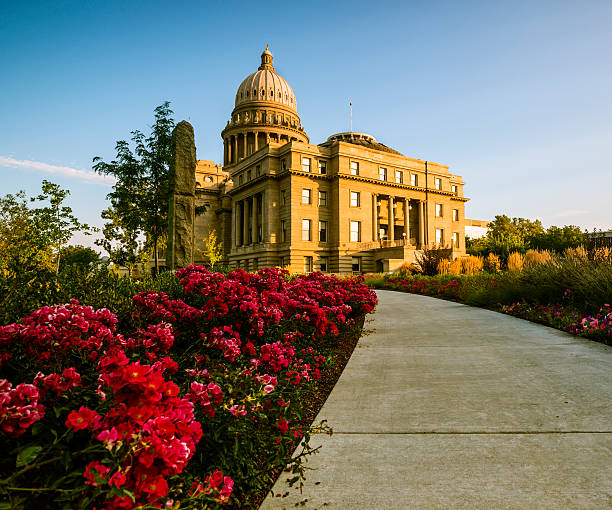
x: 195, y: 407
x: 480, y: 289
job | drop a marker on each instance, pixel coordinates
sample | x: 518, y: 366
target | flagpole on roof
x: 351, y: 108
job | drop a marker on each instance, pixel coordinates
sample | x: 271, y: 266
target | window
x: 456, y: 239
x: 356, y: 264
x: 322, y: 198
x: 438, y: 182
x: 322, y: 167
x: 283, y: 197
x: 323, y: 231
x: 283, y: 164
x: 439, y: 236
x: 306, y: 196
x: 455, y: 214
x: 354, y: 168
x: 240, y: 179
x: 323, y: 263
x: 454, y: 188
x: 308, y: 264
x: 284, y: 231
x: 306, y: 164
x: 382, y: 174
x: 257, y: 171
x: 399, y: 177
x: 355, y: 231
x: 355, y: 199
x: 306, y: 233
x: 283, y: 262
x: 439, y: 210
x: 414, y: 180
x: 248, y: 177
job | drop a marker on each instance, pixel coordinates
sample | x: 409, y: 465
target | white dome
x: 265, y: 85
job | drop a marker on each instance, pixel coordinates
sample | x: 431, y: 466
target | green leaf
x: 27, y: 455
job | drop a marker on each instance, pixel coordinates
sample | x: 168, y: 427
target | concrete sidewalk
x: 448, y: 406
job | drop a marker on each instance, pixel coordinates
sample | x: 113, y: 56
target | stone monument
x: 181, y: 210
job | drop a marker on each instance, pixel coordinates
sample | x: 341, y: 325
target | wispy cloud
x: 66, y: 171
x: 570, y: 212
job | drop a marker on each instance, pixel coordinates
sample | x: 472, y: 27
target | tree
x: 121, y: 238
x: 80, y: 257
x: 504, y: 227
x: 56, y: 221
x: 23, y: 248
x: 213, y: 249
x: 140, y: 196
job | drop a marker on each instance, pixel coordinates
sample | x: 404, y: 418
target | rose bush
x: 196, y: 405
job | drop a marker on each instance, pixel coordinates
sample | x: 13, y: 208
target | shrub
x: 491, y: 263
x: 427, y: 260
x: 471, y: 264
x: 515, y: 261
x: 534, y: 258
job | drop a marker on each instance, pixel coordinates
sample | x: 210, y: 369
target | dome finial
x: 266, y: 60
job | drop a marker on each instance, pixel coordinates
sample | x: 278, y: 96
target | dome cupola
x: 265, y: 112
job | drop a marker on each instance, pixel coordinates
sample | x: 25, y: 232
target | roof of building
x: 362, y: 139
x: 266, y: 85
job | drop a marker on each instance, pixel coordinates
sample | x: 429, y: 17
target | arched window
x: 208, y: 179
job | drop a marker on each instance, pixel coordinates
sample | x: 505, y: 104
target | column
x: 265, y: 216
x: 391, y: 222
x: 256, y: 147
x: 374, y: 217
x: 407, y: 220
x: 234, y: 230
x: 267, y: 138
x: 245, y: 222
x: 244, y: 145
x: 234, y: 144
x: 421, y: 224
x: 254, y: 213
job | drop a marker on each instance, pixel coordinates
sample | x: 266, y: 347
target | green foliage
x: 507, y: 235
x: 140, y: 196
x: 81, y: 257
x: 55, y: 221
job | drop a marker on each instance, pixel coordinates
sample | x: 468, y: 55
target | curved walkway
x: 448, y: 406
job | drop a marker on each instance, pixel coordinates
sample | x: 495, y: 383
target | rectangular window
x: 354, y: 168
x: 440, y: 236
x: 306, y: 164
x: 355, y: 199
x: 382, y: 173
x: 399, y: 177
x: 306, y: 232
x: 323, y: 263
x: 323, y: 231
x: 454, y: 189
x: 240, y: 180
x: 284, y: 231
x: 284, y: 164
x: 455, y: 214
x: 356, y: 264
x: 322, y: 167
x: 306, y: 196
x: 248, y: 178
x: 283, y: 197
x: 414, y: 180
x: 355, y: 231
x: 456, y: 239
x: 283, y: 261
x: 322, y: 198
x: 439, y: 210
x: 257, y: 171
x: 308, y: 264
x: 438, y: 183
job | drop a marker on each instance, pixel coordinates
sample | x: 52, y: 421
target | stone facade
x: 350, y: 204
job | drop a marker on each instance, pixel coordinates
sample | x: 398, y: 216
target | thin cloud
x: 66, y: 171
x: 570, y: 212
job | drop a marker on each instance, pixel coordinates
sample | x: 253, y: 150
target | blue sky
x: 514, y: 96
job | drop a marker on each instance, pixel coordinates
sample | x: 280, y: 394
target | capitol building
x: 348, y: 204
